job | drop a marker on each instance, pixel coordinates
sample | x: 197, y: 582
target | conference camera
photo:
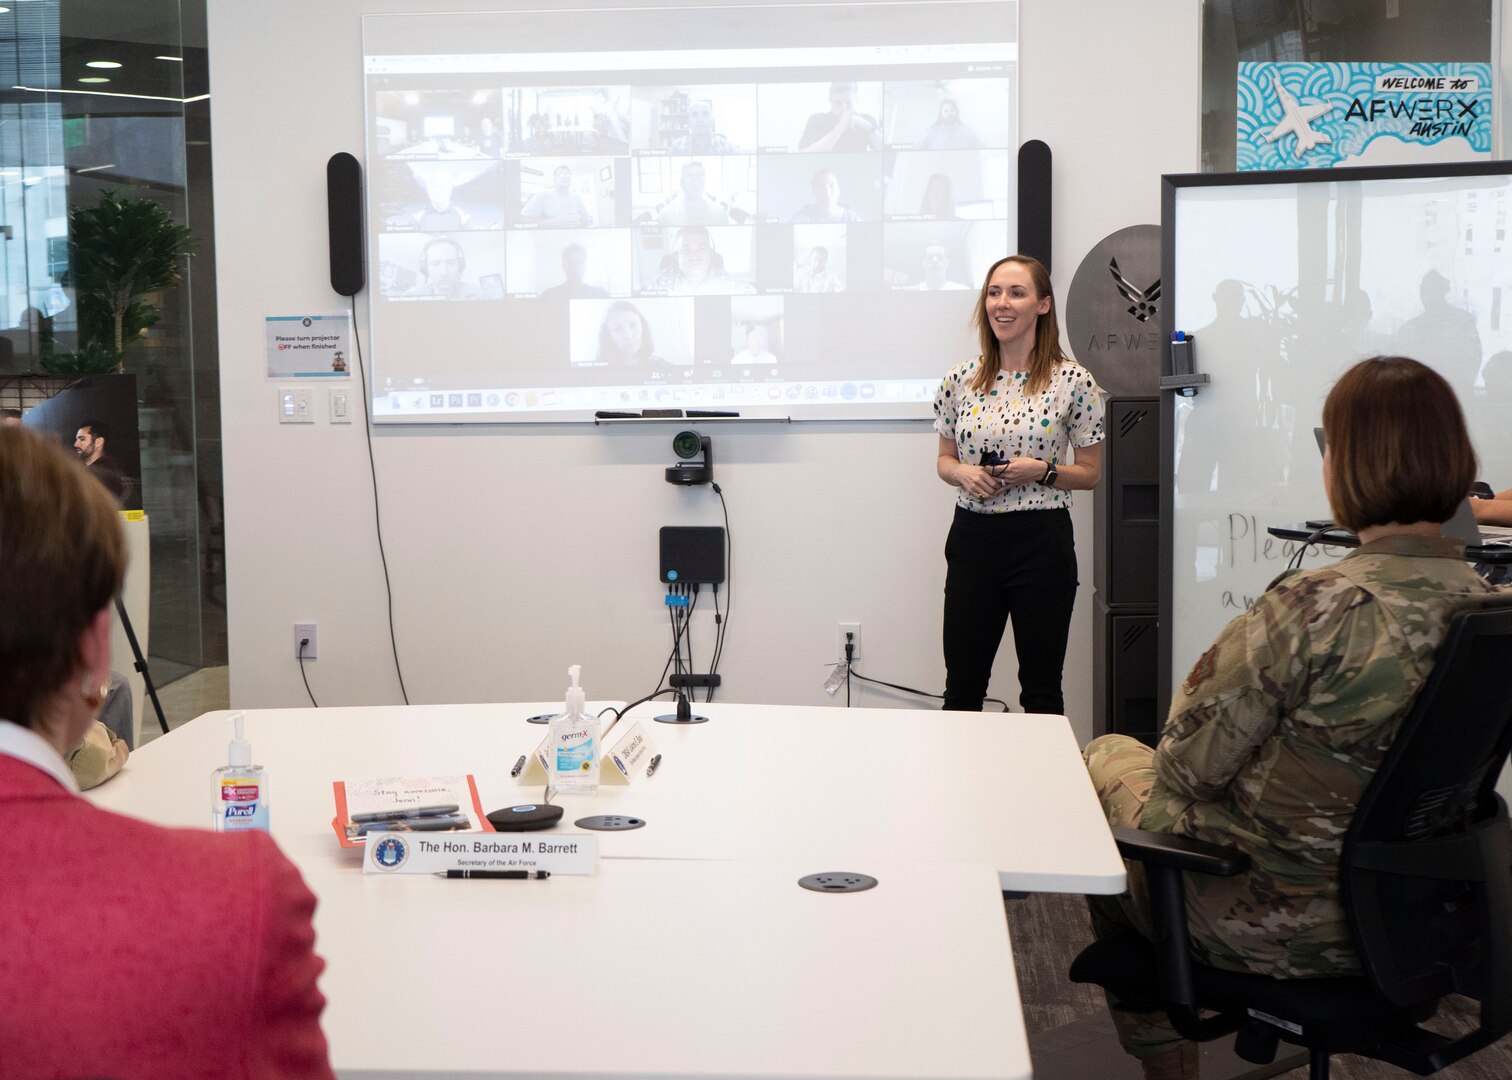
x: 689, y: 445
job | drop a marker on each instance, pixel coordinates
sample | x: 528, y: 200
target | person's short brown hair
x: 62, y: 559
x: 1397, y: 446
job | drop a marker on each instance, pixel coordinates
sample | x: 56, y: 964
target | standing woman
x: 1006, y: 422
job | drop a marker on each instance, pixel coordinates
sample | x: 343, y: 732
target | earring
x: 93, y: 697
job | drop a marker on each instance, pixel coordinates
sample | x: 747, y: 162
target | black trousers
x: 1019, y: 565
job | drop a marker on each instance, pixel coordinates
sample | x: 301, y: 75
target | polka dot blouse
x: 1067, y: 413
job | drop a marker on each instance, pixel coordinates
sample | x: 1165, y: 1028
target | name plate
x: 416, y: 853
x: 629, y: 755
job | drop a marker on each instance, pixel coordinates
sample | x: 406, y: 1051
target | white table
x: 687, y: 969
x: 862, y: 785
x: 755, y: 782
x: 698, y: 954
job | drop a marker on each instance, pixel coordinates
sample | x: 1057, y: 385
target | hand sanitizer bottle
x: 239, y: 789
x: 575, y: 744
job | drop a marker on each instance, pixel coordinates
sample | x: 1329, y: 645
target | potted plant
x: 119, y: 252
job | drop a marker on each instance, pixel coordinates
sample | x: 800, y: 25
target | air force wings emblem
x: 1142, y: 301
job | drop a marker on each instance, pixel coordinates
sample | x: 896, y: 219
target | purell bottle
x: 239, y: 789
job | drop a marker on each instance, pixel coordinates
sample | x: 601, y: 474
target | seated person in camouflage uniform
x: 1274, y: 735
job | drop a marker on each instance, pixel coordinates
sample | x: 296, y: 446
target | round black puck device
x: 525, y: 817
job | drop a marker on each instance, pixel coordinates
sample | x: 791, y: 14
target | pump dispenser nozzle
x: 240, y: 750
x: 576, y: 699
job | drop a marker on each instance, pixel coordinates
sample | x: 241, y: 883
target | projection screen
x: 770, y: 210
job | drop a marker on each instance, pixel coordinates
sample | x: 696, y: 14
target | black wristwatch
x: 1050, y: 474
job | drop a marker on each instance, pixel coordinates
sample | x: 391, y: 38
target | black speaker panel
x: 1125, y: 684
x: 1126, y: 543
x: 1034, y: 201
x: 344, y: 222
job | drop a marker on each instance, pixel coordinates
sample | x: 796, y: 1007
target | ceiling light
x: 95, y: 79
x: 102, y: 64
x: 175, y: 59
x: 4, y: 10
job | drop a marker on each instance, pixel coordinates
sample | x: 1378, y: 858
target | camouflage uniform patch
x: 1201, y: 671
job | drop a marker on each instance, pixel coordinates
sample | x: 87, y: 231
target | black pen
x: 405, y: 814
x: 519, y: 766
x: 655, y: 761
x: 502, y: 875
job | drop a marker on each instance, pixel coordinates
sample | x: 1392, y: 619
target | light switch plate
x: 294, y: 405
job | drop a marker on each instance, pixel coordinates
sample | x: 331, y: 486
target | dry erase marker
x: 405, y: 815
x: 655, y: 761
x: 519, y: 766
x: 497, y: 875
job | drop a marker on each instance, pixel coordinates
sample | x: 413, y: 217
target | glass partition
x: 108, y: 97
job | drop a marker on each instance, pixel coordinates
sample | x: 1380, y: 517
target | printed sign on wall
x: 308, y: 346
x: 1317, y: 116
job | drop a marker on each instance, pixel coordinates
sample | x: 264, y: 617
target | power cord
x: 722, y: 623
x: 367, y: 427
x: 851, y: 672
x: 303, y: 644
x: 1296, y: 560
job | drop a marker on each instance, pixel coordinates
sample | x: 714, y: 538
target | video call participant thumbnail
x: 948, y: 132
x: 693, y: 205
x: 442, y: 266
x: 706, y: 119
x: 439, y: 213
x: 816, y: 275
x: 695, y: 267
x: 935, y: 273
x: 756, y: 350
x: 559, y: 205
x: 828, y: 208
x: 574, y: 270
x: 651, y: 337
x: 843, y: 129
x: 702, y: 138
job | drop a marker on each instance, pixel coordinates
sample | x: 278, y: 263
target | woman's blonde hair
x: 62, y: 559
x: 1046, y: 356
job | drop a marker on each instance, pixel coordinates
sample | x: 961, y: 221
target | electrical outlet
x: 854, y: 629
x: 304, y: 631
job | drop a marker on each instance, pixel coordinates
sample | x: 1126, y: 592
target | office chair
x: 1425, y: 879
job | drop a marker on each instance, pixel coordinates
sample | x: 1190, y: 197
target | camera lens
x: 686, y: 444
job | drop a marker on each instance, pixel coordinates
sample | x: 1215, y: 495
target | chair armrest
x: 1180, y: 853
x: 1166, y: 858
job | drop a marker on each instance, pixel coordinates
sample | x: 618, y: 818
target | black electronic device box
x: 693, y: 554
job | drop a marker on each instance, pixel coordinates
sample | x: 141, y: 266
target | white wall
x: 516, y: 551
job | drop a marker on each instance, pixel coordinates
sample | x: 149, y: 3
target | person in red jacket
x: 126, y: 950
